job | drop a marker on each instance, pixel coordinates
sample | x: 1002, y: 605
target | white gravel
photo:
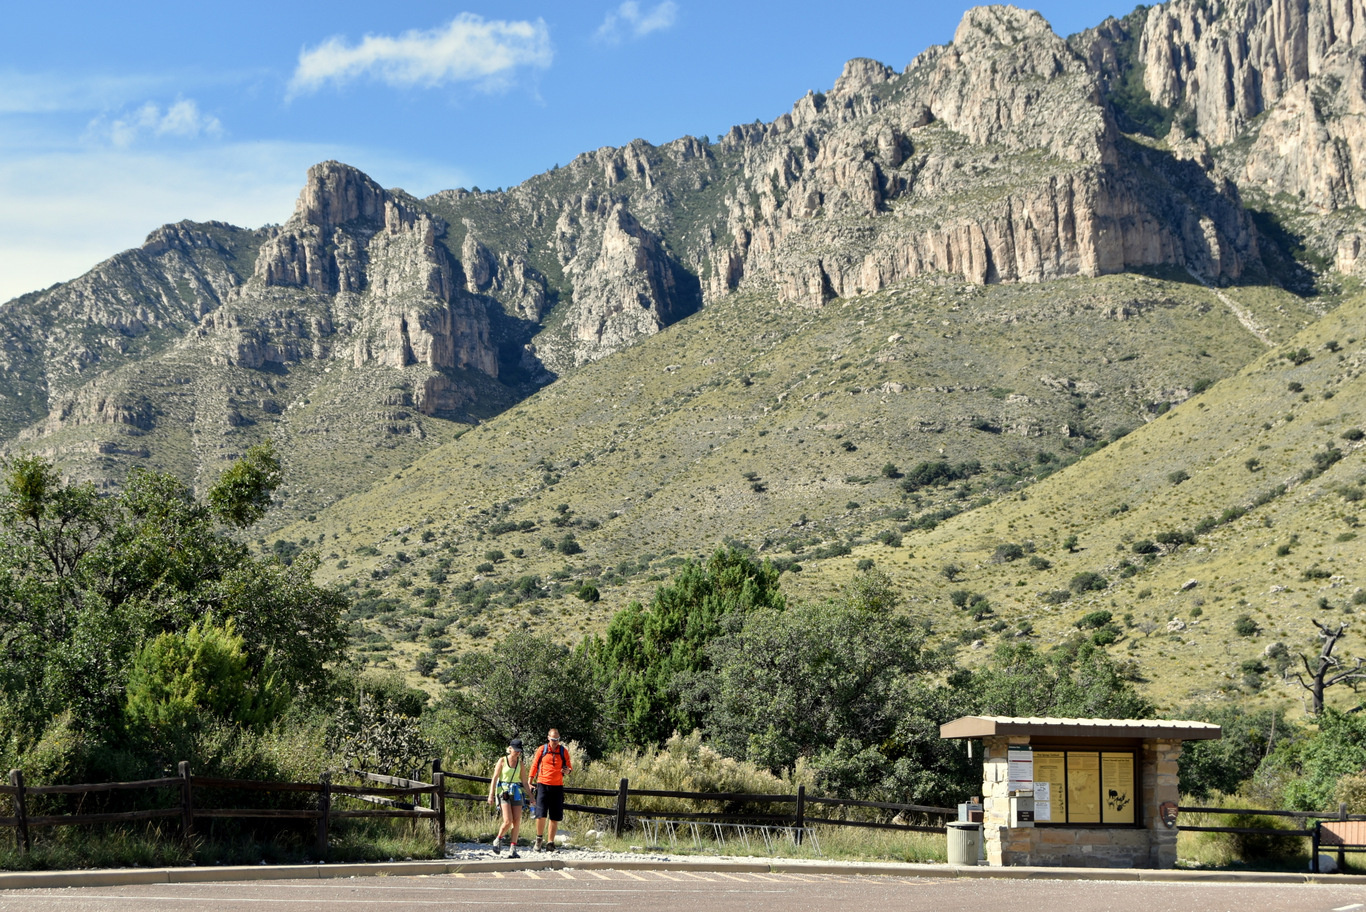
x: 483, y: 851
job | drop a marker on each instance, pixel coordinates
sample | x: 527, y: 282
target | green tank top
x: 511, y: 774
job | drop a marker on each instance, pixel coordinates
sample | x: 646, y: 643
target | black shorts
x: 550, y: 801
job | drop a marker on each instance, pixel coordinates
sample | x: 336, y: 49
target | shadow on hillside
x: 1289, y: 262
x: 1181, y: 193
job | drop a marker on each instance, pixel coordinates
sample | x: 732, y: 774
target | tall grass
x: 685, y: 764
x: 230, y: 843
x: 1237, y: 850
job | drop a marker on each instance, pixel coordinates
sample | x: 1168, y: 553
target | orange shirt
x: 548, y: 766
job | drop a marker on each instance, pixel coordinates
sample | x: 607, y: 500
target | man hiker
x: 549, y: 766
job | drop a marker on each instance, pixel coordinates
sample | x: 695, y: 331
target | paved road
x: 708, y: 891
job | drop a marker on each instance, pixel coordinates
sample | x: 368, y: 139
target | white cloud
x: 469, y: 49
x: 182, y: 120
x: 51, y: 93
x: 627, y: 20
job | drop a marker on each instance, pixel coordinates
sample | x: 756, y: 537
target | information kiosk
x: 1079, y: 792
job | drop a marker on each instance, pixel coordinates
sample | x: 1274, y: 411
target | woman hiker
x: 509, y: 784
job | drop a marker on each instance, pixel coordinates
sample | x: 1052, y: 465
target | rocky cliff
x: 1267, y: 93
x: 994, y: 159
x: 1009, y: 155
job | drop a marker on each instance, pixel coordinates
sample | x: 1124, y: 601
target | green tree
x: 522, y: 687
x: 179, y: 681
x: 86, y: 580
x: 1020, y: 681
x: 844, y: 687
x: 1224, y: 764
x: 649, y: 657
x: 792, y: 683
x: 1316, y: 764
x: 243, y: 493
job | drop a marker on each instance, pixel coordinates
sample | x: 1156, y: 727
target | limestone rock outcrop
x: 1276, y: 88
x: 995, y: 158
x: 624, y: 287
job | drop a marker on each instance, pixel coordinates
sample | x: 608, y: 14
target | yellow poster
x: 1083, y: 787
x: 1117, y: 787
x: 1051, y: 774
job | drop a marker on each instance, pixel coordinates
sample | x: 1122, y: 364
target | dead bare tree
x: 1327, y: 669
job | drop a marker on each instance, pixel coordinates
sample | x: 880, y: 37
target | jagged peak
x: 185, y: 235
x: 861, y: 73
x: 1000, y: 26
x: 335, y: 194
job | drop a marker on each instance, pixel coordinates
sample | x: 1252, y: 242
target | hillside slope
x: 793, y: 442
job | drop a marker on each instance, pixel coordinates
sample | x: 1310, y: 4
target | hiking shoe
x: 513, y: 853
x: 540, y: 844
x: 498, y: 847
x: 550, y: 846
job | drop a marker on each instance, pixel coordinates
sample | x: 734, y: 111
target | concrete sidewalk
x: 124, y: 876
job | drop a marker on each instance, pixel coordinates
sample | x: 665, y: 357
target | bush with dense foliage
x: 650, y: 657
x: 90, y: 582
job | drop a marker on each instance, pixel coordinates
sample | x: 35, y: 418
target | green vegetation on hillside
x: 134, y: 625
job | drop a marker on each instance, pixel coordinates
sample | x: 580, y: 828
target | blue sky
x: 118, y: 118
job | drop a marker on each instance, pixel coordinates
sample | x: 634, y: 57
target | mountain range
x: 936, y: 320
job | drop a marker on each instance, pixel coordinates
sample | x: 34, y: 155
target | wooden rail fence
x: 1311, y: 829
x: 397, y: 797
x: 800, y: 818
x: 387, y: 800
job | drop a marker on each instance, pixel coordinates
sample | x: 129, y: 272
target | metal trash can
x: 965, y: 842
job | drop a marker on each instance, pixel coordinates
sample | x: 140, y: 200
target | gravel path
x: 483, y: 851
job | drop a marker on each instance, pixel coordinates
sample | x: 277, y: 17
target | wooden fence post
x: 439, y: 805
x: 619, y: 825
x: 186, y: 800
x: 1342, y: 852
x: 324, y: 811
x: 16, y: 779
x: 801, y: 813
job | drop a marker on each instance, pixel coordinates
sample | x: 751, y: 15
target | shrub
x: 177, y: 681
x: 1007, y: 552
x: 1175, y: 538
x: 1326, y: 458
x: 1105, y: 635
x: 1245, y: 626
x: 1254, y: 848
x: 1039, y: 563
x: 1298, y: 356
x: 1086, y: 581
x: 1094, y: 619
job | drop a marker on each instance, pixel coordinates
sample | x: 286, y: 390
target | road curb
x: 127, y: 876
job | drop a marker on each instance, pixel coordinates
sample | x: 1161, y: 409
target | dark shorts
x: 550, y: 801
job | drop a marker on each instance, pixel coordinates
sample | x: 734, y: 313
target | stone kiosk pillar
x: 1079, y: 792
